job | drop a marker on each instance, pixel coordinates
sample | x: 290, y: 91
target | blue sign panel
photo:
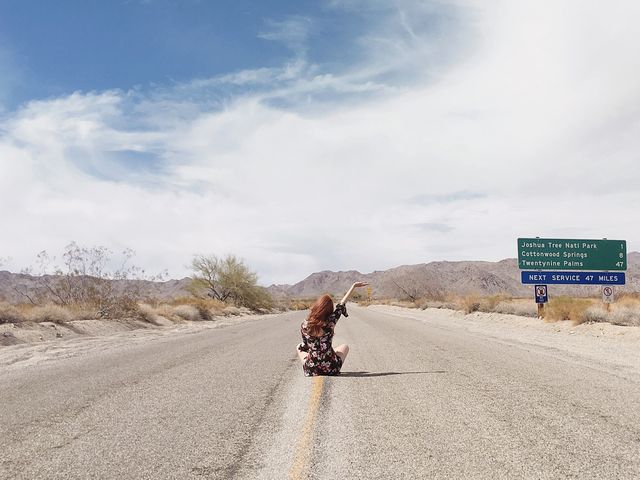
x: 574, y: 278
x: 541, y: 294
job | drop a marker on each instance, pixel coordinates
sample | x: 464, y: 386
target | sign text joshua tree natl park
x: 571, y: 254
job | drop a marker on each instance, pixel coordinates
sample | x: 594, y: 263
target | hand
x: 360, y: 284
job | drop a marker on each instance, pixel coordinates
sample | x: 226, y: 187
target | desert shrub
x: 522, y: 309
x: 470, y: 303
x: 567, y: 308
x: 187, y: 312
x: 147, y: 313
x: 287, y: 304
x: 625, y: 315
x: 423, y: 304
x: 10, y: 314
x: 595, y: 314
x: 302, y: 303
x: 231, y: 310
x: 50, y: 313
x: 229, y: 280
x: 84, y: 280
x: 488, y: 304
x: 208, y: 308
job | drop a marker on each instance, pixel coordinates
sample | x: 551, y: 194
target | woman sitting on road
x: 316, y: 353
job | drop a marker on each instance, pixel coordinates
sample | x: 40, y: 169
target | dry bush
x: 147, y: 313
x: 231, y: 310
x: 50, y: 313
x: 186, y: 309
x: 489, y: 304
x: 208, y: 308
x: 10, y: 314
x: 567, y: 308
x: 84, y: 283
x: 286, y: 304
x: 470, y: 303
x: 596, y: 314
x: 631, y: 300
x: 629, y: 297
x: 520, y: 308
x: 187, y: 312
x: 425, y: 303
x: 626, y: 315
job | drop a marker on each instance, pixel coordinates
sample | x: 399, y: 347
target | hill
x: 437, y: 278
x: 406, y: 281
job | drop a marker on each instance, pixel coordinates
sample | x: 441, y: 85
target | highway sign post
x: 572, y: 262
x: 541, y: 294
x: 571, y: 254
x: 542, y: 297
x: 607, y: 296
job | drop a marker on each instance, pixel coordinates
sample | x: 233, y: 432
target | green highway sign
x: 563, y: 254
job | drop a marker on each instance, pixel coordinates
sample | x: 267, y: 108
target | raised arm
x: 350, y: 291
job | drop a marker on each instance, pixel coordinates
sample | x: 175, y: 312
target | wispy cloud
x: 293, y: 32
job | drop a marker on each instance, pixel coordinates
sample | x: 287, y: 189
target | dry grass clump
x: 567, y: 308
x: 44, y: 313
x: 50, y: 313
x: 210, y: 305
x: 625, y: 312
x: 470, y: 303
x: 287, y: 304
x: 302, y: 303
x: 489, y: 304
x: 231, y: 310
x: 10, y: 314
x: 517, y: 307
x: 448, y: 304
x: 188, y: 312
x: 626, y: 315
x: 147, y: 313
x: 595, y: 314
x: 175, y: 313
x: 179, y: 310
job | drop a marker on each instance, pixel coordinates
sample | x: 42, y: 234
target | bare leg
x: 302, y: 355
x: 342, y: 351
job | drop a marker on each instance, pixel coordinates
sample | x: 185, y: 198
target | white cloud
x: 533, y: 129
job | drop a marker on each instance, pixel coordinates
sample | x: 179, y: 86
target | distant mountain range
x: 435, y: 278
x: 439, y: 278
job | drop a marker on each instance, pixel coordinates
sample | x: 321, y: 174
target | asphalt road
x: 415, y: 400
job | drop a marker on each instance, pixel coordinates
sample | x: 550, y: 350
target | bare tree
x: 84, y: 278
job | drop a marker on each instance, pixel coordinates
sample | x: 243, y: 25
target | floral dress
x: 321, y: 358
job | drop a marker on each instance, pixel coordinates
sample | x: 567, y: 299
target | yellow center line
x: 303, y: 450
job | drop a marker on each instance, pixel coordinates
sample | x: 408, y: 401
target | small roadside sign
x: 541, y: 294
x: 607, y: 294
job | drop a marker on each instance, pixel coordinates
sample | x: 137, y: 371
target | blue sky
x: 55, y: 48
x: 316, y: 135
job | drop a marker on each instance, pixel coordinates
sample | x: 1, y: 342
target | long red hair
x: 319, y: 315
